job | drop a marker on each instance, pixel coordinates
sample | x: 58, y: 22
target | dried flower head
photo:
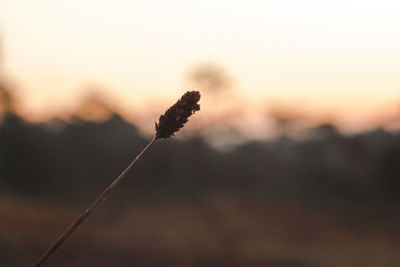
x: 177, y: 115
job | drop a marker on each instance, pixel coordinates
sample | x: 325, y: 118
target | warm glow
x: 339, y: 57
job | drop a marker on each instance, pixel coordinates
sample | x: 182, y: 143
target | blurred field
x: 325, y: 199
x: 226, y: 231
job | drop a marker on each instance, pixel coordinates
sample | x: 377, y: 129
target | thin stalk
x: 77, y: 223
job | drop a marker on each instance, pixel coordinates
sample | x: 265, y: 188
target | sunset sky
x: 338, y: 57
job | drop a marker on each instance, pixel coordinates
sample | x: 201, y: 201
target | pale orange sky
x: 337, y: 57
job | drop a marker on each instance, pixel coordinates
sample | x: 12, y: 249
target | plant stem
x: 77, y: 223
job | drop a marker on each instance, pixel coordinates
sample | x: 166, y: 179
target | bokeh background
x: 293, y: 160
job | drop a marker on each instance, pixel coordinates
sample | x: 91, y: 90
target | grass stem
x: 77, y: 223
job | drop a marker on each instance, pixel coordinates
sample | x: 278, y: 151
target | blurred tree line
x: 71, y: 161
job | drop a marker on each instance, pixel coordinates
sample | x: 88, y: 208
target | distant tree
x: 7, y: 99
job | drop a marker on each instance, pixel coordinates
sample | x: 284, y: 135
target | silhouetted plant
x: 169, y: 123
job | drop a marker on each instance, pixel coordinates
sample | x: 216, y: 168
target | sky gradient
x: 337, y: 57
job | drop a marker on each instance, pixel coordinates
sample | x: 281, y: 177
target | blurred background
x: 293, y: 160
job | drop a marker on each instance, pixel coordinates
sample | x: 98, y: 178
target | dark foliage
x: 76, y: 161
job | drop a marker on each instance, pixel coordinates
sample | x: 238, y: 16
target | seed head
x: 177, y: 115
